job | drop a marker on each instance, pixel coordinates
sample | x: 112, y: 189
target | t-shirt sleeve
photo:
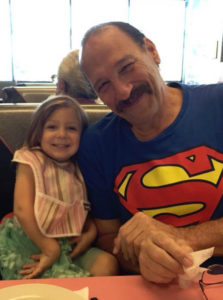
x: 92, y: 164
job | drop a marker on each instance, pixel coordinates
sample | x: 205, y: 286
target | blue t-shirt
x: 175, y: 177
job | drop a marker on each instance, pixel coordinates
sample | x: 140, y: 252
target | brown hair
x: 136, y: 35
x: 43, y: 112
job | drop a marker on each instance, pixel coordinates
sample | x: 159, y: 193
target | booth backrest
x: 15, y: 118
x: 27, y: 94
x: 35, y: 94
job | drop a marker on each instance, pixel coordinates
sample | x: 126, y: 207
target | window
x: 5, y: 34
x: 86, y: 14
x: 41, y: 36
x: 37, y: 34
x: 203, y: 43
x: 44, y: 31
x: 162, y: 21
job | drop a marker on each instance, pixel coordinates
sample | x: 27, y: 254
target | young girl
x: 50, y: 202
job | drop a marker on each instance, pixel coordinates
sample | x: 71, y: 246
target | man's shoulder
x: 213, y: 87
x: 105, y: 124
x: 101, y: 132
x: 210, y: 92
x: 98, y: 138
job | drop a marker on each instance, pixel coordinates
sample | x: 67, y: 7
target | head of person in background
x: 72, y: 82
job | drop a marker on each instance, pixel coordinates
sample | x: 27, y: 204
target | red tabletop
x: 124, y: 288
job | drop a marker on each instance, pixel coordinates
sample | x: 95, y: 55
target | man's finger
x: 177, y: 251
x: 117, y: 244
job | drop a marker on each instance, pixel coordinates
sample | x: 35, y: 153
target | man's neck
x: 171, y: 107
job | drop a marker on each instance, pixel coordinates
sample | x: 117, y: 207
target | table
x: 132, y: 287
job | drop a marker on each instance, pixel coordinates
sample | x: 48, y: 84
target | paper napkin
x: 195, y: 271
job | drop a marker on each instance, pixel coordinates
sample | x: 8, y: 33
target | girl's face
x: 61, y: 134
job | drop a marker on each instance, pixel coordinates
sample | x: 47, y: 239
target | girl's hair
x: 43, y: 112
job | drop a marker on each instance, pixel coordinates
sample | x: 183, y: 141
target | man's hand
x: 157, y: 247
x: 161, y: 257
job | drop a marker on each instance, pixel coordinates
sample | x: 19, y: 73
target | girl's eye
x: 73, y: 128
x: 51, y: 126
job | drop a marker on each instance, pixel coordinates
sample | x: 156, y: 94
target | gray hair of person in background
x: 70, y: 79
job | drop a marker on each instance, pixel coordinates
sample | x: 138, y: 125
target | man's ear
x: 61, y: 87
x: 150, y: 46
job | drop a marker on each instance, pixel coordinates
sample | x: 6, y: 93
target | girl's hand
x: 83, y: 242
x: 41, y: 262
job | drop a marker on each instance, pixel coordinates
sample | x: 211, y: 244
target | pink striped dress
x: 61, y: 205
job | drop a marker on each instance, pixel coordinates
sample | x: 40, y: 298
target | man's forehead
x: 111, y: 38
x: 103, y: 31
x: 104, y: 36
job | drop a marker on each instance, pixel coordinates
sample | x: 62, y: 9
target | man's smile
x: 135, y: 95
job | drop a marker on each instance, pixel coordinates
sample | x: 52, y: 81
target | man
x: 153, y: 167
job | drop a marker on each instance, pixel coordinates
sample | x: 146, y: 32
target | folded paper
x: 195, y: 271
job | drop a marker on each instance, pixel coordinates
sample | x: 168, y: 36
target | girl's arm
x: 84, y: 241
x: 24, y: 196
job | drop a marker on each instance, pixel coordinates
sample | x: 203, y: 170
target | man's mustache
x: 136, y: 92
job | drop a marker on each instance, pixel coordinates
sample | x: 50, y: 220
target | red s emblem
x: 181, y: 189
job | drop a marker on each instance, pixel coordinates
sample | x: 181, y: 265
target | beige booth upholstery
x: 35, y: 94
x: 27, y: 94
x: 14, y: 120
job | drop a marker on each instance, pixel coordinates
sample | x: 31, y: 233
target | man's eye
x: 102, y: 85
x: 127, y: 67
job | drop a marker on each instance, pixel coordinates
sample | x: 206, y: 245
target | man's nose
x: 122, y: 90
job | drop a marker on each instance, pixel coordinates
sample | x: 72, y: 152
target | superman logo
x: 181, y: 189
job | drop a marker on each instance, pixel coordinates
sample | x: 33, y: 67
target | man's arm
x: 204, y: 235
x: 163, y: 249
x: 107, y: 232
x: 157, y: 264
